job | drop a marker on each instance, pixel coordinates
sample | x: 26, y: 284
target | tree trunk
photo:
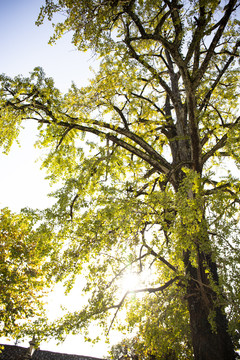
x: 210, y: 341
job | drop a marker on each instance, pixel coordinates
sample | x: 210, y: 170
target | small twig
x: 63, y: 136
x: 124, y: 268
x: 71, y: 206
x: 137, y: 291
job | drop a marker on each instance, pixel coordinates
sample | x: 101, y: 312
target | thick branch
x: 161, y: 258
x: 149, y: 154
x: 198, y: 33
x: 119, y: 111
x: 165, y: 165
x: 132, y: 149
x: 72, y: 204
x: 174, y: 7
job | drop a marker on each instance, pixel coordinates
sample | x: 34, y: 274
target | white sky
x: 24, y: 46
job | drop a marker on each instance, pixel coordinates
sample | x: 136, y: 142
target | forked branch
x: 137, y: 291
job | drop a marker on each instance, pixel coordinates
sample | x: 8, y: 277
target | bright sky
x: 23, y: 47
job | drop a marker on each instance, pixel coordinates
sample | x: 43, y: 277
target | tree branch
x: 219, y: 144
x: 222, y: 24
x: 174, y: 7
x: 137, y: 291
x: 132, y: 149
x: 119, y: 111
x: 198, y: 32
x: 124, y: 268
x: 215, y: 83
x: 149, y: 154
x: 153, y: 71
x: 72, y: 204
x: 63, y: 136
x: 215, y: 148
x: 161, y: 258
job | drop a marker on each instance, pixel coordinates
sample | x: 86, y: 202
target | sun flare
x: 132, y: 281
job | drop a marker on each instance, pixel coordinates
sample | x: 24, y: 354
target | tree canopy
x: 24, y: 276
x: 137, y: 153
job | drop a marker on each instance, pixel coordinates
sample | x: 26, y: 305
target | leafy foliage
x: 24, y: 271
x: 137, y: 153
x: 130, y: 349
x: 163, y: 328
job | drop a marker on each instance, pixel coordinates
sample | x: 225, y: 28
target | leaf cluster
x: 25, y: 278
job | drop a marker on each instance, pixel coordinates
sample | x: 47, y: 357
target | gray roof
x: 12, y: 352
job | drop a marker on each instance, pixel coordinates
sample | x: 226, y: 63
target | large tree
x: 144, y: 192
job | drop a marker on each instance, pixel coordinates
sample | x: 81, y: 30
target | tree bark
x: 209, y: 342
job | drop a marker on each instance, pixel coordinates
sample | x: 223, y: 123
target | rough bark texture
x: 210, y: 341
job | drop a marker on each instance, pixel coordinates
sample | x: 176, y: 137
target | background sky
x: 24, y: 46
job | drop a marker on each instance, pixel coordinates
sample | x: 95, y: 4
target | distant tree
x: 129, y: 349
x: 134, y: 349
x: 144, y: 190
x: 24, y: 275
x: 126, y: 349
